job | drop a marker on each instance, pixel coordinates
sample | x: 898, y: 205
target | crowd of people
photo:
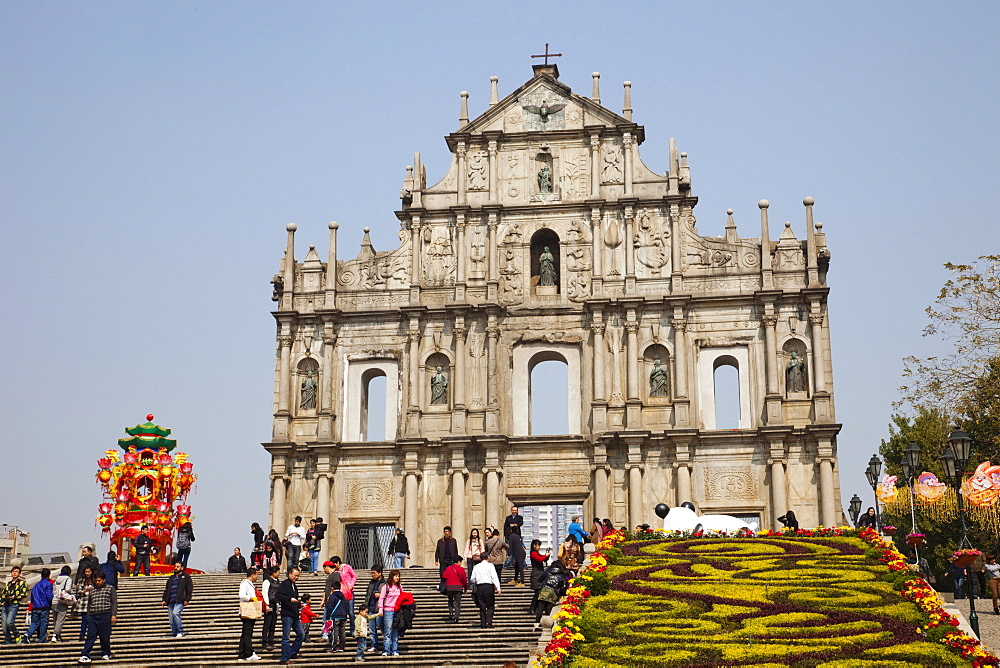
x: 347, y: 612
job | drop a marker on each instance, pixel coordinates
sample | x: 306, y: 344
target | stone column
x: 494, y: 168
x: 460, y: 333
x: 812, y: 263
x: 633, y: 359
x: 767, y: 277
x: 818, y: 353
x: 683, y: 483
x: 598, y: 248
x: 595, y: 166
x: 629, y: 245
x: 492, y: 337
x: 676, y: 252
x: 601, y: 491
x: 458, y: 500
x: 322, y: 496
x: 771, y: 353
x: 410, y: 512
x: 680, y: 356
x: 779, y: 499
x: 284, y: 371
x: 413, y: 353
x: 415, y: 252
x: 827, y: 493
x: 491, y: 261
x: 492, y: 498
x: 460, y: 152
x: 460, y: 248
x: 635, y: 512
x: 327, y: 398
x: 627, y: 151
x: 598, y: 329
x: 279, y: 490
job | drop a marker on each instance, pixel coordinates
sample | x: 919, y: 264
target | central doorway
x: 366, y: 545
x: 549, y: 524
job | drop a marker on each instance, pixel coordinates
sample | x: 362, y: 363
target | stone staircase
x: 212, y: 628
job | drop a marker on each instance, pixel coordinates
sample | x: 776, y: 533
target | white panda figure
x: 684, y: 518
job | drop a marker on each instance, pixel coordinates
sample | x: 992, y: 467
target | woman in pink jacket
x: 388, y: 595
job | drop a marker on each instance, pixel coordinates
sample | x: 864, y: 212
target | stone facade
x: 628, y: 281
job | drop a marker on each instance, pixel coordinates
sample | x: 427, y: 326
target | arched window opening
x: 545, y: 262
x: 548, y: 395
x: 727, y: 393
x: 656, y: 362
x: 373, y: 400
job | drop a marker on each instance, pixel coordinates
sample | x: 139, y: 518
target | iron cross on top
x: 547, y: 55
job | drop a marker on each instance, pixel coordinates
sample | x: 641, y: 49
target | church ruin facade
x: 549, y: 239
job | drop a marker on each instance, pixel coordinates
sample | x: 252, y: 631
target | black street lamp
x: 953, y: 461
x: 873, y: 472
x: 911, y: 465
x: 855, y: 509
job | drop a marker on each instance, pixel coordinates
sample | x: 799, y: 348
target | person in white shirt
x: 296, y: 535
x: 248, y: 592
x: 485, y: 588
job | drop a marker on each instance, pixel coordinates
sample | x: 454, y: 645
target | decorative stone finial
x: 367, y: 230
x: 596, y: 94
x: 291, y: 227
x: 494, y: 92
x: 808, y: 201
x: 788, y: 224
x: 312, y: 247
x: 729, y: 212
x: 763, y: 204
x: 627, y: 108
x: 463, y: 115
x: 334, y: 225
x: 819, y: 228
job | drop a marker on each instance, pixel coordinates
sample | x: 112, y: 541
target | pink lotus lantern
x: 104, y: 508
x: 104, y: 463
x: 186, y: 468
x: 165, y: 459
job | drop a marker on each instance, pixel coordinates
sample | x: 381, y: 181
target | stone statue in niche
x: 308, y: 389
x: 546, y: 268
x: 545, y: 179
x: 649, y: 244
x: 439, y: 387
x: 795, y: 374
x: 657, y: 380
x: 477, y: 170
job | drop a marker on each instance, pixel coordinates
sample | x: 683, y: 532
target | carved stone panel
x: 730, y: 484
x: 565, y: 481
x: 368, y: 495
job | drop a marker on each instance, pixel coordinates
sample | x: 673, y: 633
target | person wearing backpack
x: 185, y: 537
x: 553, y: 587
x: 63, y: 600
x: 336, y: 610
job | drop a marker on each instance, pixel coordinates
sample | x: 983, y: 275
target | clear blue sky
x: 152, y: 154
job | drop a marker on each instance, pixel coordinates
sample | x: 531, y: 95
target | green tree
x: 966, y: 316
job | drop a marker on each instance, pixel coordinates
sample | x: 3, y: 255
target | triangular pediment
x: 542, y: 104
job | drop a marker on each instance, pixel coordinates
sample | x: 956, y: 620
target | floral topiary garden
x: 825, y: 598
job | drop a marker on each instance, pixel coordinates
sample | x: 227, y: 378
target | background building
x: 13, y: 543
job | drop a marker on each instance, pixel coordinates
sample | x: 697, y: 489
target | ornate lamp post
x: 855, y: 509
x: 954, y: 461
x: 911, y: 464
x: 873, y: 472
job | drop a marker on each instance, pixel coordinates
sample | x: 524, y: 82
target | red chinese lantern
x: 104, y: 477
x: 120, y: 509
x: 105, y: 521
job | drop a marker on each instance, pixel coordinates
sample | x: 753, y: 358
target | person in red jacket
x: 456, y: 582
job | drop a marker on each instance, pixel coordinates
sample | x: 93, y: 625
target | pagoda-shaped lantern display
x: 145, y: 484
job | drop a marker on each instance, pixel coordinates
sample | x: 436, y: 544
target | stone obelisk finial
x: 463, y: 114
x: 494, y: 93
x: 596, y: 94
x: 627, y: 108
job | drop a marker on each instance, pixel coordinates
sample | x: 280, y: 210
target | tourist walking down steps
x: 102, y: 612
x: 176, y: 595
x: 249, y: 594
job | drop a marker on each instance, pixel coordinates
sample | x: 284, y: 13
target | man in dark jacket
x: 512, y: 522
x: 399, y: 550
x: 287, y: 598
x: 112, y: 568
x: 445, y: 554
x: 176, y: 595
x: 143, y: 546
x: 88, y: 559
x: 371, y: 602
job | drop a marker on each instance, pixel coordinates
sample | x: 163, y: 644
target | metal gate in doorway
x: 366, y: 545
